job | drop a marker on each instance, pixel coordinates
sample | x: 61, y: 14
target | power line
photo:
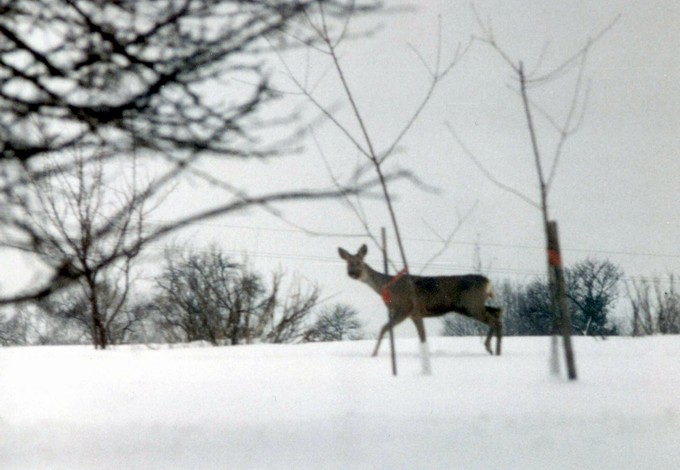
x: 434, y: 240
x: 444, y: 267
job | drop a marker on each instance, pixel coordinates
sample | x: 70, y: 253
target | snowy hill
x: 331, y: 406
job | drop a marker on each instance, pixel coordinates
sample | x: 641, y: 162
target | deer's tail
x: 489, y: 290
x: 495, y: 312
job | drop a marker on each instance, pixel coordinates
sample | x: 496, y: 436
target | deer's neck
x: 374, y: 279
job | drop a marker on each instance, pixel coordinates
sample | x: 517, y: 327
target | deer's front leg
x: 420, y: 327
x: 380, y: 336
x: 394, y: 321
x: 424, y: 350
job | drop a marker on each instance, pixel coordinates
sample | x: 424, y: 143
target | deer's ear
x: 343, y: 253
x: 363, y: 250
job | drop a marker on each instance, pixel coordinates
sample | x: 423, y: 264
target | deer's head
x: 355, y: 263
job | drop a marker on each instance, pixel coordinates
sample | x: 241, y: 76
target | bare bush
x: 336, y: 323
x: 14, y: 328
x: 655, y: 306
x: 205, y: 296
x: 593, y: 289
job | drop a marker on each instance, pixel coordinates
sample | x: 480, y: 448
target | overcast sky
x: 615, y: 194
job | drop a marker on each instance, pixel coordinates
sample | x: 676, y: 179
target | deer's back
x: 443, y: 294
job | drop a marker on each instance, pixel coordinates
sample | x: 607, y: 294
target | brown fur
x: 434, y: 296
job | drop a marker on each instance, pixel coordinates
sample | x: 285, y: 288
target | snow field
x: 330, y: 405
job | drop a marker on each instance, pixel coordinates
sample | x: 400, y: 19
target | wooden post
x: 561, y: 317
x: 389, y: 314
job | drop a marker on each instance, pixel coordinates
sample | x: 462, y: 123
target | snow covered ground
x: 331, y: 406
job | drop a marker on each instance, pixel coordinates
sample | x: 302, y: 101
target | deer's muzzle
x: 354, y: 273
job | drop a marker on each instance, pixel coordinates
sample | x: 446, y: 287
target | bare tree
x: 176, y: 81
x: 638, y: 296
x: 375, y: 158
x: 592, y: 289
x: 655, y: 306
x: 536, y: 309
x: 66, y: 317
x: 205, y: 295
x: 545, y: 170
x: 86, y: 225
x: 456, y: 325
x: 668, y: 305
x: 14, y: 328
x: 285, y: 317
x: 31, y: 324
x: 336, y: 323
x: 208, y: 297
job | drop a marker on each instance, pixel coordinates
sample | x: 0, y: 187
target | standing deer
x: 434, y: 296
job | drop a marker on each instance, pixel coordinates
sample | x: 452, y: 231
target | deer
x: 428, y: 296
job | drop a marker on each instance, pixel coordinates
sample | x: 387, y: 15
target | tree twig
x: 487, y: 173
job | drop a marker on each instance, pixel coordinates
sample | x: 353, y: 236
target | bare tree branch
x: 448, y: 239
x: 365, y: 143
x: 121, y: 79
x: 577, y: 57
x: 486, y: 172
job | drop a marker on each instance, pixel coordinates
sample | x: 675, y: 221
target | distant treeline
x: 197, y: 296
x: 601, y: 303
x: 203, y: 295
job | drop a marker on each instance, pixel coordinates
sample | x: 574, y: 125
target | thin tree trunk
x: 561, y: 317
x: 389, y: 313
x: 560, y: 304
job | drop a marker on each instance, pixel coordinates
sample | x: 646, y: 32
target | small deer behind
x: 434, y: 296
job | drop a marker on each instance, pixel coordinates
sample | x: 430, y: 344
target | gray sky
x: 615, y: 194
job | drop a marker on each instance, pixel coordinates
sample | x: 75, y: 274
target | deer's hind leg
x: 493, y: 319
x: 487, y: 343
x: 488, y: 316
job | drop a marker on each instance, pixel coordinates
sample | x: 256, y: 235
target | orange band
x: 385, y: 292
x: 554, y: 258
